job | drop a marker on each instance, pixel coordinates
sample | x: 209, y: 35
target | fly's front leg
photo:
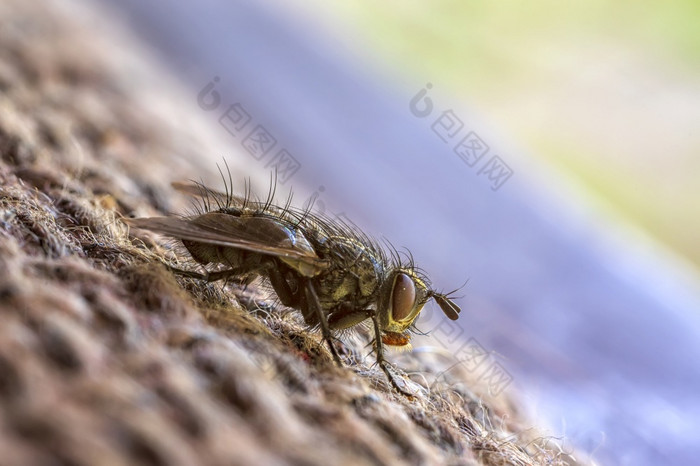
x: 313, y: 302
x: 383, y: 363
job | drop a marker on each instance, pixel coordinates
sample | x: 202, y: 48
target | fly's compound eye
x: 403, y: 297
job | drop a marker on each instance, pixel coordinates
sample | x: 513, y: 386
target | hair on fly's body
x: 334, y: 274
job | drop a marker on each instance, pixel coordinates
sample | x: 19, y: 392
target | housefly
x: 335, y: 275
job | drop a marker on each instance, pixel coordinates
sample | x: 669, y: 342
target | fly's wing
x: 263, y: 235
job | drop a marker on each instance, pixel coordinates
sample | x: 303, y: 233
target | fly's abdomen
x: 213, y: 254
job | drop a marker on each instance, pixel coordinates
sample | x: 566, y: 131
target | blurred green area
x: 608, y: 92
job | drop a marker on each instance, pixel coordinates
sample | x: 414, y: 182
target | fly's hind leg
x: 209, y: 276
x: 186, y: 273
x: 285, y: 293
x: 313, y: 302
x: 383, y: 363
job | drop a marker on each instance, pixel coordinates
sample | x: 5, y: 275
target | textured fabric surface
x: 107, y: 358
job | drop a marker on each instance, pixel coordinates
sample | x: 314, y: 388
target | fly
x: 335, y: 275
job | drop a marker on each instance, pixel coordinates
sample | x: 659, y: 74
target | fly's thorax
x: 401, y: 298
x: 354, y: 275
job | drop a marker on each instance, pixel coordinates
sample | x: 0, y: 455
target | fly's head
x: 402, y: 296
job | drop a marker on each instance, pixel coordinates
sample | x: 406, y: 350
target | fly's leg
x: 209, y: 276
x: 284, y: 292
x: 224, y: 274
x: 305, y: 299
x: 383, y: 363
x: 186, y: 273
x: 313, y: 302
x: 347, y: 317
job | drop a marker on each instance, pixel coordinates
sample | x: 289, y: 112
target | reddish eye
x: 403, y: 297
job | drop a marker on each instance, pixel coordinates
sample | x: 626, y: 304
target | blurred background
x: 547, y: 152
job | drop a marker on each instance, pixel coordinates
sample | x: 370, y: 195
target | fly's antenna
x: 449, y: 294
x: 446, y: 302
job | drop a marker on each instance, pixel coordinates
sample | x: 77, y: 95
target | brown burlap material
x: 107, y: 358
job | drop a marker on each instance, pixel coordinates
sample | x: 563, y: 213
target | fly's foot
x: 398, y: 383
x: 334, y: 351
x: 401, y: 386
